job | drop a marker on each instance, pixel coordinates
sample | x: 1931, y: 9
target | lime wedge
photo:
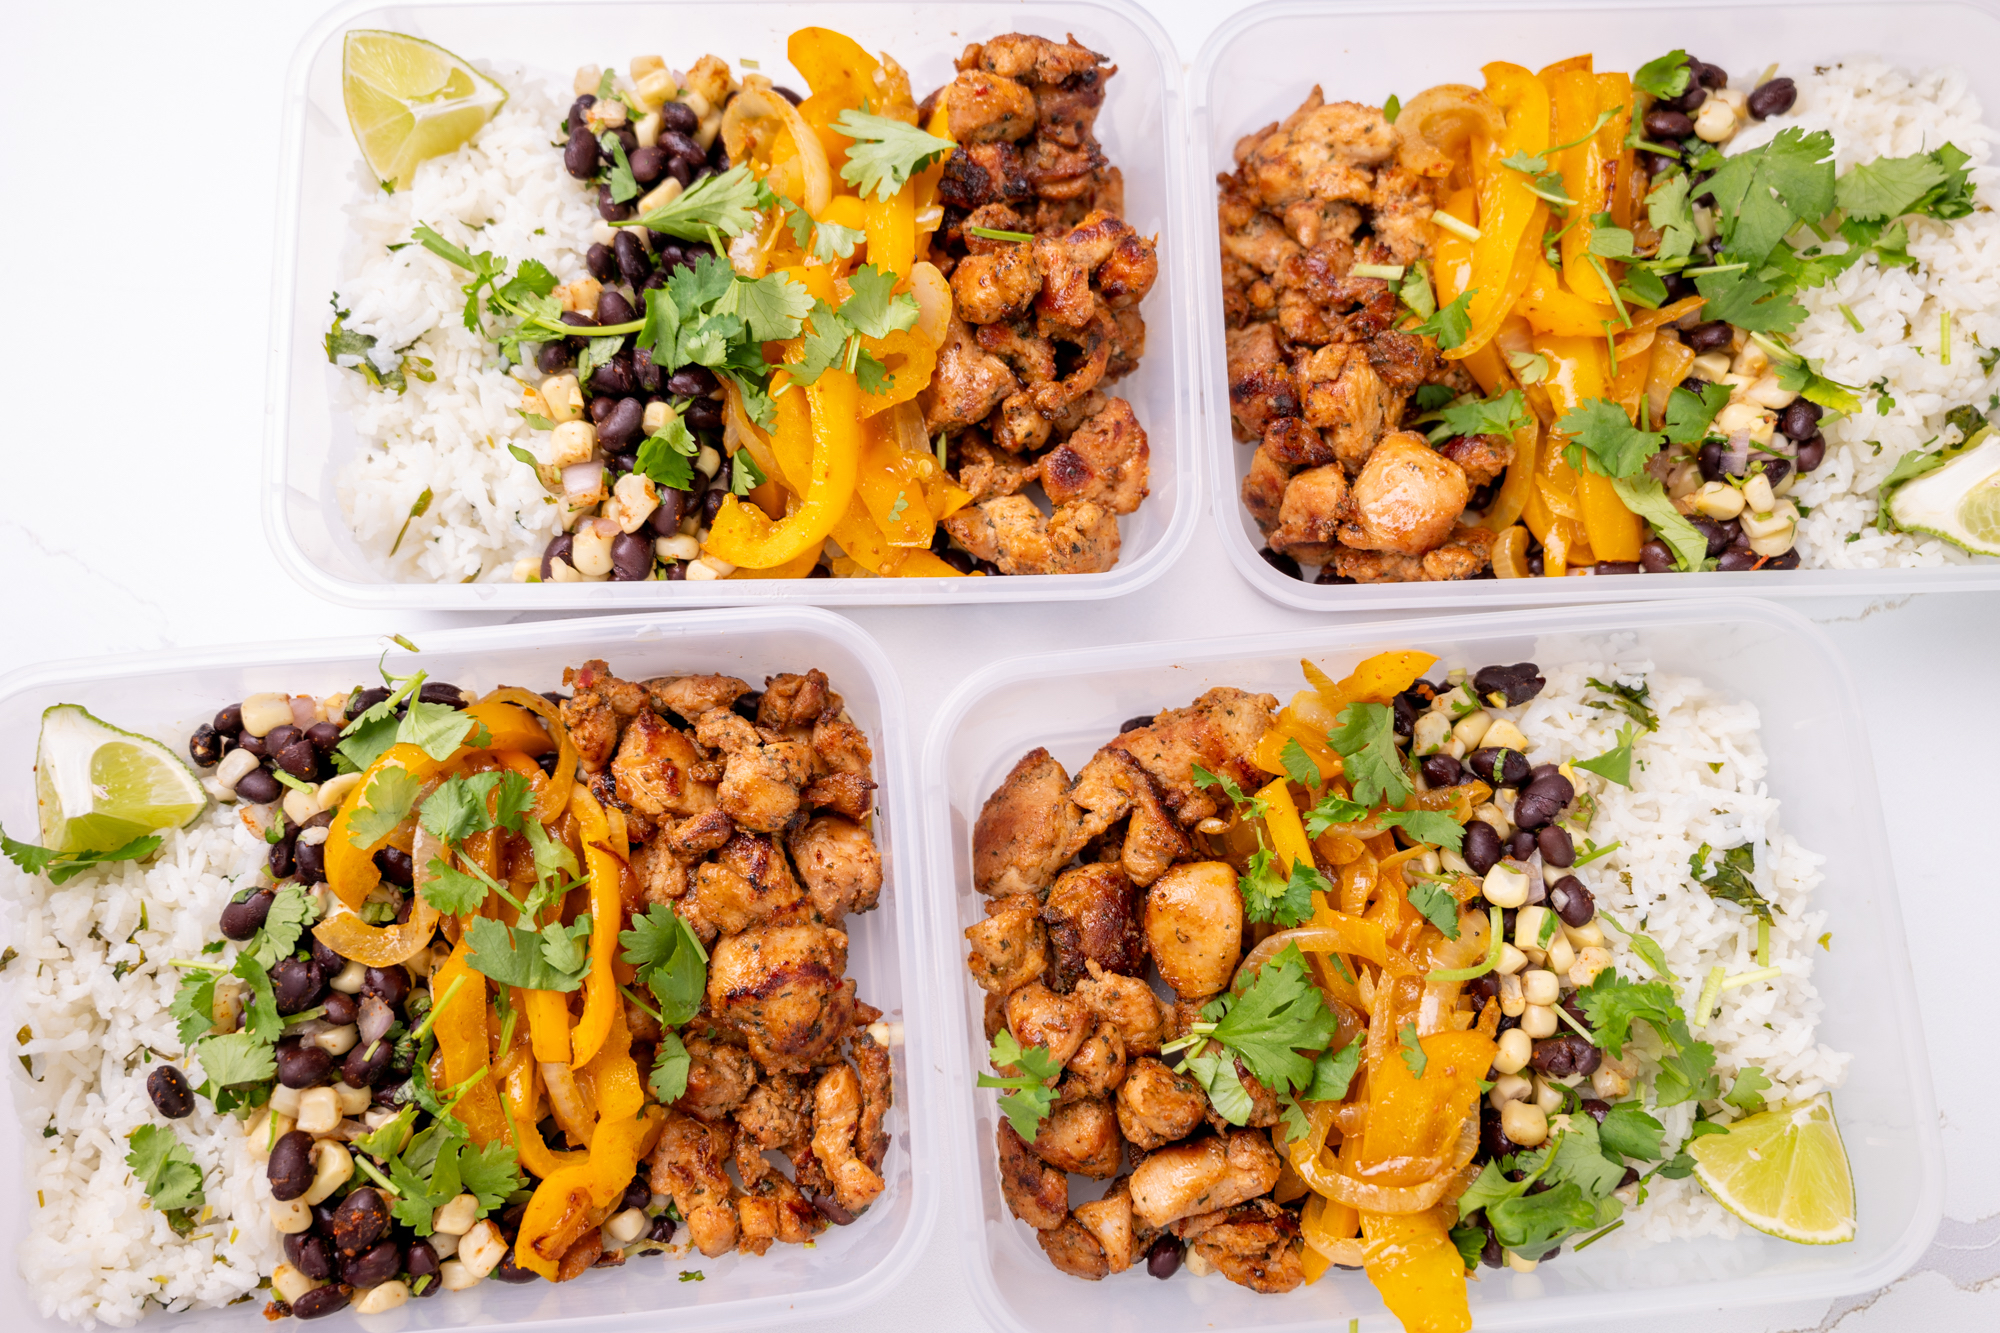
x: 1784, y: 1172
x: 1958, y: 501
x: 409, y: 100
x: 1979, y: 512
x: 99, y: 787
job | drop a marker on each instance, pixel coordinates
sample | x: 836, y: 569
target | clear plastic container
x: 1819, y: 768
x: 307, y: 442
x: 169, y: 694
x: 1256, y: 68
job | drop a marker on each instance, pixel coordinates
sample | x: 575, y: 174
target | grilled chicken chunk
x: 1082, y: 1136
x: 690, y: 1164
x: 1092, y: 914
x: 783, y: 987
x: 1218, y: 731
x: 1157, y: 1105
x: 836, y: 1118
x: 1103, y: 460
x: 840, y: 865
x: 1035, y: 1192
x: 653, y: 769
x: 1255, y: 1244
x: 1217, y: 1172
x: 760, y: 778
x: 1027, y: 829
x: 1010, y: 947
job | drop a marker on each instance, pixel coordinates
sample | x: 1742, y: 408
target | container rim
x: 1190, y: 477
x: 923, y: 1099
x: 1900, y: 989
x: 1218, y: 445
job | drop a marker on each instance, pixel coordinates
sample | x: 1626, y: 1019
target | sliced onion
x: 376, y: 1018
x: 934, y: 307
x: 1736, y: 454
x: 566, y: 1102
x: 1346, y: 1253
x: 1433, y: 128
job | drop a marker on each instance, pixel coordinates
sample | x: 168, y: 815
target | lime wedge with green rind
x: 1783, y: 1172
x: 1959, y: 501
x: 409, y: 100
x: 99, y: 787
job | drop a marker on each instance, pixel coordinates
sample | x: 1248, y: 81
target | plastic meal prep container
x: 307, y: 442
x: 1258, y: 66
x: 1819, y: 768
x: 167, y: 695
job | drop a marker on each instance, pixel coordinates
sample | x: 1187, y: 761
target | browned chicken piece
x: 878, y: 1090
x: 1290, y: 441
x: 991, y: 217
x: 1092, y: 913
x: 1031, y: 356
x: 1468, y: 551
x: 1256, y: 1244
x: 1480, y: 457
x: 774, y: 1210
x: 691, y: 696
x: 1344, y: 396
x: 751, y: 1167
x: 662, y: 876
x: 1057, y: 171
x: 1194, y: 927
x: 1104, y: 460
x: 1010, y: 947
x: 1263, y: 1102
x: 1127, y: 343
x: 1036, y: 59
x: 747, y: 884
x: 993, y: 1018
x: 1066, y: 264
x: 597, y: 710
x: 760, y: 780
x: 986, y: 472
x: 990, y: 288
x: 1221, y: 1171
x: 839, y: 746
x: 653, y: 769
x: 1037, y: 1016
x: 1127, y: 1003
x: 1316, y: 501
x: 1313, y: 222
x: 777, y: 1113
x: 1082, y: 1136
x: 1035, y: 1192
x: 719, y: 1078
x: 980, y: 174
x: 1109, y: 1220
x: 1027, y: 830
x: 1072, y: 1248
x: 848, y: 795
x: 1218, y: 731
x: 1321, y: 301
x: 698, y: 835
x: 967, y: 385
x: 1322, y: 151
x: 1407, y: 499
x: 1098, y: 1066
x: 1157, y: 1105
x: 1261, y: 388
x: 1080, y: 538
x: 1259, y: 240
x: 783, y: 988
x: 836, y: 1116
x: 840, y: 865
x: 689, y: 1164
x: 1129, y: 271
x: 1113, y: 786
x: 1403, y: 203
x: 791, y: 701
x: 1264, y: 487
x: 982, y: 107
x: 1406, y: 360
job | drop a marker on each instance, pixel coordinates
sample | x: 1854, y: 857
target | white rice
x: 91, y: 984
x: 1698, y: 778
x: 1875, y: 110
x: 505, y: 192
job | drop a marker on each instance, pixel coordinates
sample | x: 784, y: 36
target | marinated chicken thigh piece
x: 653, y: 769
x: 878, y: 1090
x: 777, y: 1112
x: 1110, y: 1221
x: 1027, y: 830
x: 1157, y: 1105
x: 1010, y: 947
x: 983, y: 107
x: 1092, y: 913
x: 1290, y: 441
x: 1255, y: 1244
x: 1264, y: 486
x: 1082, y: 1136
x: 597, y: 710
x: 840, y: 865
x: 1261, y: 388
x: 1194, y: 927
x: 760, y: 779
x: 986, y: 472
x: 836, y: 1116
x: 689, y: 1165
x: 1468, y: 551
x: 784, y: 988
x: 1038, y: 1016
x: 968, y: 383
x: 775, y: 1210
x: 990, y: 288
x: 1316, y: 503
x: 1216, y: 1172
x: 1072, y: 1248
x: 791, y: 700
x: 748, y: 883
x: 1112, y: 786
x: 1481, y: 457
x: 1035, y: 1192
x: 1344, y: 396
x: 1098, y: 1066
x: 1127, y: 1003
x: 1034, y: 59
x: 691, y: 696
x: 1406, y: 500
x: 1322, y: 151
x: 1103, y: 460
x: 1080, y: 538
x: 1218, y: 731
x: 719, y: 1078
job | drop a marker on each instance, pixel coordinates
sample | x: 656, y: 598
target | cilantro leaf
x: 515, y: 957
x: 1438, y: 905
x: 1664, y: 78
x: 1502, y: 415
x: 165, y: 1168
x: 871, y: 373
x: 1470, y: 1242
x: 624, y: 186
x: 194, y: 1006
x: 388, y: 1140
x: 291, y: 912
x: 1299, y: 766
x: 260, y: 1011
x: 1580, y: 1158
x: 1747, y: 301
x: 1286, y: 902
x: 1451, y: 325
x: 728, y: 204
x: 61, y: 867
x: 384, y: 805
x: 1613, y: 1004
x: 1030, y: 1098
x: 1672, y: 215
x: 1635, y: 701
x: 1614, y: 764
x: 1630, y: 1132
x: 489, y: 1172
x: 1532, y: 1224
x: 1747, y: 1092
x: 873, y: 310
x: 670, y: 961
x: 668, y: 456
x: 1250, y: 807
x: 1760, y: 195
x: 1888, y: 187
x: 1644, y: 496
x: 1364, y: 735
x: 1332, y: 1074
x: 825, y: 345
x: 669, y: 1079
x: 563, y: 948
x: 1600, y: 430
x: 1802, y: 378
x: 1268, y: 1021
x: 772, y: 307
x: 451, y: 891
x: 1332, y: 809
x: 1431, y: 826
x: 886, y: 152
x: 456, y: 809
x: 1413, y: 1050
x: 1729, y: 880
x: 1689, y: 413
x: 1217, y: 1073
x: 234, y: 1059
x: 744, y: 474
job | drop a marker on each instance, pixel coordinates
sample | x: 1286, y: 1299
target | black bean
x: 1800, y: 420
x: 613, y: 308
x: 310, y: 862
x: 1707, y: 75
x: 614, y: 379
x: 580, y: 154
x: 692, y: 382
x: 509, y: 1271
x: 1710, y: 337
x: 988, y: 568
x: 296, y: 985
x: 325, y: 736
x: 1497, y: 766
x: 438, y: 692
x: 665, y: 521
x: 341, y: 1008
x: 320, y: 1302
x: 1522, y: 845
x: 673, y: 571
x: 1556, y: 847
x: 1163, y: 1260
x: 1493, y: 1140
x: 711, y: 505
x: 678, y: 147
x: 367, y: 1065
x: 637, y: 1194
x: 1735, y: 560
x: 1689, y: 101
x: 1403, y: 714
x: 602, y: 261
x: 299, y: 759
x: 1616, y: 567
x: 1596, y: 1109
x: 259, y: 787
x: 1656, y: 557
x: 168, y: 1087
x: 667, y: 254
x: 1482, y: 850
x: 1708, y: 459
x: 648, y: 164
x: 206, y: 746
x: 662, y: 1229
x: 628, y: 138
x: 420, y: 1263
x: 1542, y: 800
x: 1679, y: 287
x: 1284, y: 564
x: 1519, y: 682
x: 391, y: 985
x: 652, y: 380
x: 609, y: 208
x: 575, y: 116
x: 1565, y: 1054
x: 309, y: 1254
x: 1443, y: 770
x: 360, y: 1221
x: 277, y: 738
x: 302, y: 1064
x: 330, y: 962
x: 1664, y: 123
x: 1572, y: 901
x: 1711, y: 531
x: 678, y: 117
x: 1139, y: 723
x: 704, y: 414
x: 1784, y: 560
x: 631, y: 558
x: 230, y: 720
x: 630, y: 252
x: 623, y: 425
x: 1492, y: 1254
x: 374, y: 1265
x: 1773, y: 99
x: 290, y: 1169
x: 561, y: 547
x: 244, y: 916
x: 554, y: 357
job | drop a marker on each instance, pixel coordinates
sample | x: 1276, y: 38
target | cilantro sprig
x: 1028, y: 1098
x: 1268, y: 894
x: 1727, y: 878
x: 670, y: 961
x: 165, y: 1169
x: 885, y: 152
x: 1613, y: 1004
x: 61, y: 867
x: 1269, y: 1022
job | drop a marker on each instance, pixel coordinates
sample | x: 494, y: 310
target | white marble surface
x: 137, y: 235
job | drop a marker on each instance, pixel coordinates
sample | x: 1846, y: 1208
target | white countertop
x: 139, y: 146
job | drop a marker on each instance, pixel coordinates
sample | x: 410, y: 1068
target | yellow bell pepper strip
x: 841, y: 75
x: 380, y: 946
x: 605, y: 861
x: 891, y: 488
x: 845, y: 210
x: 1512, y: 497
x: 1614, y: 94
x: 548, y: 1024
x: 1281, y: 821
x: 1576, y: 373
x: 797, y: 568
x: 1270, y: 752
x: 1507, y: 208
x: 925, y: 565
x: 1615, y: 532
x: 743, y: 536
x: 522, y: 1095
x: 464, y: 1044
x: 1451, y: 274
x: 1329, y: 1229
x: 892, y: 230
x: 1377, y: 679
x: 1671, y: 360
x: 611, y: 1080
x: 551, y: 801
x: 1573, y: 97
x: 1635, y: 372
x: 1417, y: 1271
x: 910, y: 358
x: 1552, y: 310
x: 565, y: 1202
